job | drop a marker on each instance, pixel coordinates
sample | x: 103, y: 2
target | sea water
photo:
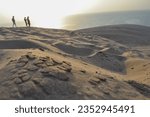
x: 81, y: 21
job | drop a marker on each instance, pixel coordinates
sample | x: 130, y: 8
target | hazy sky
x: 54, y: 10
x: 121, y: 5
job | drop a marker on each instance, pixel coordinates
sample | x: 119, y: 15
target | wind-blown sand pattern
x: 111, y: 62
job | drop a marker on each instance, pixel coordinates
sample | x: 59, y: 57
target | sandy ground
x: 111, y: 62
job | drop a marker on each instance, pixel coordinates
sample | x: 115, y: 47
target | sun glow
x: 46, y: 13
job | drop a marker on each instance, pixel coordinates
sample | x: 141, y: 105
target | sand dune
x: 109, y: 62
x: 130, y: 35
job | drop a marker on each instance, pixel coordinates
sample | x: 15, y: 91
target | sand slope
x: 130, y: 35
x: 59, y: 64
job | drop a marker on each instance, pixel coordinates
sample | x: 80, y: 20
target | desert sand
x: 110, y: 62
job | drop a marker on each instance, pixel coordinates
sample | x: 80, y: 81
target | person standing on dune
x: 14, y: 22
x: 28, y: 21
x: 25, y: 20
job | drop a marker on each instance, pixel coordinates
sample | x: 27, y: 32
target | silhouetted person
x: 28, y: 21
x: 25, y: 20
x: 14, y: 22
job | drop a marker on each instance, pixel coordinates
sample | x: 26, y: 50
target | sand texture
x: 111, y: 62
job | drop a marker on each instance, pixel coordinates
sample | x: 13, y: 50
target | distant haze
x: 120, y: 5
x: 81, y: 21
x: 49, y: 13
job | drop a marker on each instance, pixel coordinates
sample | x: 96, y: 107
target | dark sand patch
x: 74, y: 50
x: 18, y: 44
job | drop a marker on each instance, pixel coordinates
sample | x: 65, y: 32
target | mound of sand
x: 32, y: 77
